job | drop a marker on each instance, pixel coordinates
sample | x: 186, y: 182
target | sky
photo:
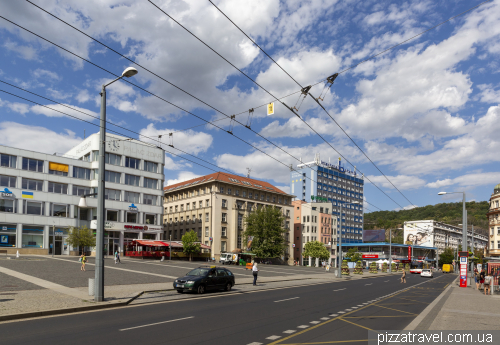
x: 425, y: 112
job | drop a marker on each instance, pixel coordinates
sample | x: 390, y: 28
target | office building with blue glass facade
x: 319, y: 181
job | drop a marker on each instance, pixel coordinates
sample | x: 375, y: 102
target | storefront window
x: 131, y: 217
x: 7, y: 235
x: 149, y: 236
x: 111, y: 215
x: 33, y: 236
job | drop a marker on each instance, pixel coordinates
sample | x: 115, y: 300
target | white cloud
x: 58, y: 94
x: 181, y: 177
x: 489, y: 95
x: 20, y: 108
x: 189, y: 141
x: 469, y: 180
x: 43, y: 73
x: 83, y: 96
x: 25, y: 52
x: 57, y: 110
x: 37, y: 138
x: 402, y: 182
x: 285, y: 189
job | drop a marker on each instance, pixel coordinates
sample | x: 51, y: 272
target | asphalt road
x: 303, y: 313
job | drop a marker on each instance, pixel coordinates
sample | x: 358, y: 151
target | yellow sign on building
x: 270, y: 109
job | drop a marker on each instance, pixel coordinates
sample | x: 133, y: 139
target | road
x: 327, y: 313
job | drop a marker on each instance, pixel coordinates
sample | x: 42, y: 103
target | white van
x: 226, y: 258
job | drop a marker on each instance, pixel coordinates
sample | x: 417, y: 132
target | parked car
x: 447, y: 268
x: 427, y: 273
x: 203, y: 279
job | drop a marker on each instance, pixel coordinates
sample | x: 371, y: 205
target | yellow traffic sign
x: 270, y: 109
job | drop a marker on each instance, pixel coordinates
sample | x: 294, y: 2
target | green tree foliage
x: 189, y: 244
x: 316, y: 249
x: 447, y: 256
x: 265, y: 225
x: 81, y: 237
x: 450, y: 213
x: 353, y: 254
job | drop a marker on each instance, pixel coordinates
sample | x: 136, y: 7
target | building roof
x: 228, y: 178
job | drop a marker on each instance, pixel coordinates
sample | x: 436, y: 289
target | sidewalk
x: 460, y: 309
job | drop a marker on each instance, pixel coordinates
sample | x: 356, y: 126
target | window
x: 32, y: 184
x: 221, y: 190
x: 151, y: 200
x: 206, y: 231
x: 250, y: 195
x: 8, y: 161
x: 132, y: 162
x: 7, y: 181
x: 86, y: 158
x: 224, y: 217
x: 244, y: 194
x: 223, y: 249
x: 132, y: 197
x: 182, y: 207
x: 206, y: 217
x: 112, y: 194
x: 112, y: 215
x: 81, y: 173
x: 224, y: 203
x: 201, y: 204
x: 150, y: 183
x: 132, y: 180
x: 224, y: 231
x: 267, y: 198
x: 238, y: 244
x: 262, y: 197
x: 187, y: 206
x: 111, y: 176
x: 60, y: 210
x: 32, y: 164
x: 111, y: 158
x: 80, y: 190
x: 237, y: 192
x: 150, y: 166
x: 207, y: 203
x: 33, y: 207
x: 7, y: 205
x: 229, y: 191
x: 150, y: 219
x: 58, y: 169
x: 131, y: 217
x: 59, y: 188
x: 194, y: 205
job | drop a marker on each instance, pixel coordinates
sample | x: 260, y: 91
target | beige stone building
x: 494, y: 220
x: 216, y: 205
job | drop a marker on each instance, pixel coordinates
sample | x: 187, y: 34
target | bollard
x: 91, y: 286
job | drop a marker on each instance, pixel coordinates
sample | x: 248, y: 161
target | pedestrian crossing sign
x: 270, y: 109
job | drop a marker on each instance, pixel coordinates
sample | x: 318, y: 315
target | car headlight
x: 176, y: 281
x: 190, y: 282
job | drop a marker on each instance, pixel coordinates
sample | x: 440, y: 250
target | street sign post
x: 463, y: 271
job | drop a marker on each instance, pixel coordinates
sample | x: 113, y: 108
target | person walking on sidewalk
x: 83, y: 260
x: 118, y: 256
x: 403, y: 277
x: 476, y: 278
x: 487, y: 283
x: 255, y: 271
x: 115, y: 256
x: 482, y: 275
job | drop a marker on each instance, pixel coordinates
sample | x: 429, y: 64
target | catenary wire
x: 260, y: 86
x: 345, y: 70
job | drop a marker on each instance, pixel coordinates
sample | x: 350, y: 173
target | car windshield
x: 198, y: 272
x: 426, y: 270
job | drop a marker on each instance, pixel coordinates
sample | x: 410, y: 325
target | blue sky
x: 427, y: 113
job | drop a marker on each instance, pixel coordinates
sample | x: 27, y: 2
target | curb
x: 429, y: 308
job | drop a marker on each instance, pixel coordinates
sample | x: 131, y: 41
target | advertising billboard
x: 374, y: 235
x: 419, y: 234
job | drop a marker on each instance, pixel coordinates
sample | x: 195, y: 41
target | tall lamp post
x: 390, y: 248
x: 340, y: 236
x: 99, y: 257
x: 464, y: 220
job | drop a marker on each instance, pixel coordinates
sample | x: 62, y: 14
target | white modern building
x: 41, y: 192
x: 430, y: 233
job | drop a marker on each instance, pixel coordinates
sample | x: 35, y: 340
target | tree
x: 265, y: 227
x: 189, y: 243
x: 447, y: 256
x: 353, y: 254
x: 316, y: 249
x: 81, y: 237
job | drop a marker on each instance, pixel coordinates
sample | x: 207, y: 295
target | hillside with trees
x: 450, y: 213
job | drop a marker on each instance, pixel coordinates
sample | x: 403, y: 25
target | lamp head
x: 83, y: 202
x: 129, y: 72
x: 441, y: 193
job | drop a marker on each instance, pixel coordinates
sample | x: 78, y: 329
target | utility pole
x: 390, y: 250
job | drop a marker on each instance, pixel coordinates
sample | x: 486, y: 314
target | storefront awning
x: 149, y: 243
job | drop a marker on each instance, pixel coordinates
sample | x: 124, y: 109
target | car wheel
x: 179, y: 291
x: 201, y: 289
x: 228, y: 287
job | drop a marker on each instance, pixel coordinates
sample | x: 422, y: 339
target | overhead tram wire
x: 345, y: 70
x: 260, y: 86
x: 206, y: 121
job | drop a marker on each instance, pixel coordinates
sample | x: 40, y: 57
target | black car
x: 202, y: 279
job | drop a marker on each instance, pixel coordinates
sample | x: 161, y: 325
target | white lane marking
x: 369, y: 284
x: 157, y: 323
x: 386, y: 281
x: 281, y: 300
x: 274, y: 337
x: 255, y: 343
x: 303, y: 326
x: 354, y: 307
x: 360, y: 305
x: 290, y: 331
x: 348, y: 309
x: 333, y: 315
x: 325, y: 318
x: 340, y: 289
x: 314, y: 322
x: 341, y: 312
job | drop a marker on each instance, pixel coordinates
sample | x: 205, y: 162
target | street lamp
x: 464, y: 220
x: 99, y: 257
x: 390, y: 248
x: 340, y: 236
